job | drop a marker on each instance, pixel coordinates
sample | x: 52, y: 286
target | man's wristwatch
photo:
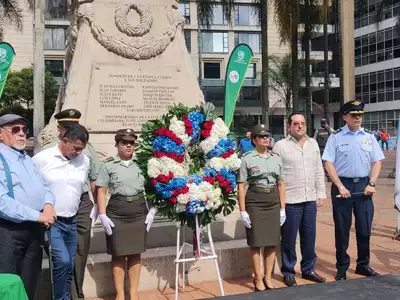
x: 371, y: 183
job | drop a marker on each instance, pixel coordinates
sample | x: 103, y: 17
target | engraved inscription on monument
x: 122, y: 97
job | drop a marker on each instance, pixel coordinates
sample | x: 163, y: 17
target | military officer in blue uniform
x: 353, y: 160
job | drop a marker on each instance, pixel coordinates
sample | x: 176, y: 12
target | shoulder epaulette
x: 109, y: 159
x: 246, y: 153
x: 368, y: 131
x: 337, y: 131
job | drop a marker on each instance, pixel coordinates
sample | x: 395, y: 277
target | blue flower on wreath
x: 195, y: 117
x: 223, y: 146
x: 164, y: 144
x: 195, y: 207
x: 196, y: 178
x: 228, y: 175
x: 165, y: 190
x: 209, y: 172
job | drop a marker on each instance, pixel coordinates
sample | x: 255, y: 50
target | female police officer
x: 260, y: 206
x: 125, y: 216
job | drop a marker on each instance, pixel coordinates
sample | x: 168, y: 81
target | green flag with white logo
x: 7, y: 54
x: 235, y: 73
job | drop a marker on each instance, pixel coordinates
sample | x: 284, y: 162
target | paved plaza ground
x: 385, y: 252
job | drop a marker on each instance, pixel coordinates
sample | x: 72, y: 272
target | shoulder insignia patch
x: 337, y: 131
x: 109, y: 159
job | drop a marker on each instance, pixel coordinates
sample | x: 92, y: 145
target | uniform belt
x: 130, y: 198
x: 261, y: 190
x: 355, y: 179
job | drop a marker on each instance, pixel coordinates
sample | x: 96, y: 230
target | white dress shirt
x: 302, y: 169
x: 66, y: 178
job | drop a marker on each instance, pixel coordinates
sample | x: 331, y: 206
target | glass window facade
x: 251, y: 72
x: 55, y: 67
x: 219, y: 16
x: 55, y: 38
x: 376, y: 47
x: 184, y: 8
x: 212, y: 70
x: 378, y: 86
x: 214, y: 42
x: 188, y: 40
x: 365, y: 12
x: 56, y: 9
x: 246, y: 15
x: 249, y: 38
x: 382, y: 119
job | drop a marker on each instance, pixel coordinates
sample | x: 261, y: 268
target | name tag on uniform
x: 323, y: 133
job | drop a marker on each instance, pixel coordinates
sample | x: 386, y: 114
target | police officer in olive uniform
x: 261, y: 210
x: 353, y: 160
x: 322, y: 134
x: 124, y: 217
x: 68, y: 118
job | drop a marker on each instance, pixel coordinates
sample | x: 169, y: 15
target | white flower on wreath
x: 178, y: 127
x: 180, y: 208
x: 231, y: 163
x: 164, y: 165
x: 218, y: 131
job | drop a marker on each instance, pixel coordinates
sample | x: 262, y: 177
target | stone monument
x: 126, y: 62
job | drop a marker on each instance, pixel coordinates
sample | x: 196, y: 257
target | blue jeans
x: 302, y: 218
x: 64, y: 241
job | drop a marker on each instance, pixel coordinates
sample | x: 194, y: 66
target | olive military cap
x: 68, y: 117
x: 259, y: 129
x: 125, y: 135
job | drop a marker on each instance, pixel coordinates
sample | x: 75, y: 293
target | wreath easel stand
x: 199, y: 254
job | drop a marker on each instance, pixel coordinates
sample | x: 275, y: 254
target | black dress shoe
x: 366, y: 272
x: 340, y: 276
x: 289, y: 281
x: 314, y: 277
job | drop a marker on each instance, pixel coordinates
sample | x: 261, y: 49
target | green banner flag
x: 235, y: 72
x: 7, y: 54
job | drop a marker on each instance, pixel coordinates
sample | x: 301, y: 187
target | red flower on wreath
x: 169, y: 134
x: 188, y: 125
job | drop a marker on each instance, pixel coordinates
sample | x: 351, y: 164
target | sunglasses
x: 16, y: 129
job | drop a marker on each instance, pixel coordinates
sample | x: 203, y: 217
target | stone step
x: 158, y: 268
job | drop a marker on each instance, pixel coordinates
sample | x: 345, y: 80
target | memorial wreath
x: 188, y: 158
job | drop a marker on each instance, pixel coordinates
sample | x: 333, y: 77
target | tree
x: 260, y: 8
x: 18, y: 94
x: 11, y: 13
x: 280, y: 78
x: 242, y: 124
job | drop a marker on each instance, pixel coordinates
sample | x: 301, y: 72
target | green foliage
x: 242, y: 124
x: 18, y: 94
x: 280, y: 78
x: 144, y: 152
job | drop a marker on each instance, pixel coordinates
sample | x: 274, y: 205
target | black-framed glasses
x: 16, y: 129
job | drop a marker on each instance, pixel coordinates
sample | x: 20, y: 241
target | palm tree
x: 11, y: 13
x: 286, y: 18
x: 280, y: 78
x: 260, y: 8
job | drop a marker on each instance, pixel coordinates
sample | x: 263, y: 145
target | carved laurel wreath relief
x: 139, y: 45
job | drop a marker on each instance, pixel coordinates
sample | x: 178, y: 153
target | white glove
x: 107, y: 224
x: 150, y: 218
x: 94, y: 214
x: 245, y: 219
x: 283, y: 216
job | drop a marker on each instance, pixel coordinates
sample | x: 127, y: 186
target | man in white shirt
x: 305, y: 190
x: 65, y: 169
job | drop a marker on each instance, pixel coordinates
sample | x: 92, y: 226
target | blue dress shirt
x: 245, y: 145
x: 30, y: 192
x: 352, y: 152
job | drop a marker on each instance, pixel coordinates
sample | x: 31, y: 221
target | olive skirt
x: 264, y: 211
x: 129, y: 233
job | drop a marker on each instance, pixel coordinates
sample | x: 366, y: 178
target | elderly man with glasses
x: 26, y: 207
